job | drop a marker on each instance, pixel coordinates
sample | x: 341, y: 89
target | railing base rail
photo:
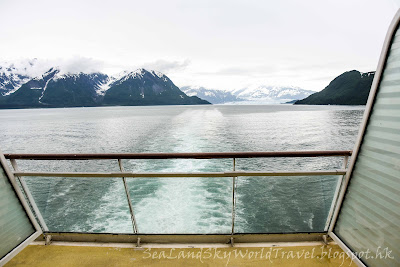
x: 184, y: 238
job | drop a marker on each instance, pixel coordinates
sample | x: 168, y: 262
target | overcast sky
x: 224, y: 44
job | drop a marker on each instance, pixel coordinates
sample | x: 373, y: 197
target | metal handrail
x: 199, y: 155
x: 179, y: 174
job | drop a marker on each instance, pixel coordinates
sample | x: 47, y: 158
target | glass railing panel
x: 68, y: 165
x: 289, y: 164
x: 284, y: 204
x: 89, y: 205
x: 182, y: 205
x: 95, y: 205
x: 178, y: 165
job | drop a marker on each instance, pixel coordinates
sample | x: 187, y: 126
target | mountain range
x: 249, y: 95
x: 58, y: 88
x: 55, y: 88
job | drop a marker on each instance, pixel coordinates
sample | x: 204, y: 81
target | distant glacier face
x: 250, y: 95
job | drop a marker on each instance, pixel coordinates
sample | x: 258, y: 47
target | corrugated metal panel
x: 369, y: 220
x: 15, y: 225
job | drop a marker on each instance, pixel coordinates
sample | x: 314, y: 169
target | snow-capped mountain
x: 272, y: 94
x: 142, y: 87
x: 11, y: 78
x: 56, y: 88
x: 213, y: 96
x: 249, y: 95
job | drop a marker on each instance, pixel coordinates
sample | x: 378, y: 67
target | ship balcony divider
x: 233, y: 173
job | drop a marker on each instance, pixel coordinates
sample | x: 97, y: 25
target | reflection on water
x: 266, y: 204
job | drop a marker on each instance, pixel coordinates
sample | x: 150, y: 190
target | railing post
x: 135, y: 229
x: 345, y: 162
x: 233, y: 202
x: 336, y: 194
x: 29, y: 197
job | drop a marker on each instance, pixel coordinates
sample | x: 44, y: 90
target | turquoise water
x: 184, y: 205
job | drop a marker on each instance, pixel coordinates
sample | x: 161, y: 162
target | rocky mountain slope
x: 349, y: 88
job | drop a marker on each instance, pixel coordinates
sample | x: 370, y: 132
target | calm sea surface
x: 178, y: 205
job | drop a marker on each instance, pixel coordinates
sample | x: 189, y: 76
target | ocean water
x: 182, y: 205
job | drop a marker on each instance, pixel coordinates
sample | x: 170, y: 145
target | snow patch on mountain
x: 125, y: 75
x: 102, y: 87
x: 158, y: 74
x: 12, y: 76
x: 11, y: 83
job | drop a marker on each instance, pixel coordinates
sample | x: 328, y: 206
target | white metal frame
x: 128, y: 197
x: 29, y: 197
x: 28, y: 211
x: 371, y: 99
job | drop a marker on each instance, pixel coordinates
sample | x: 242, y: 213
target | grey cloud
x: 166, y: 66
x: 243, y: 71
x: 35, y: 67
x: 80, y: 64
x: 77, y: 64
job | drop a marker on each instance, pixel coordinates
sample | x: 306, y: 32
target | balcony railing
x: 233, y: 173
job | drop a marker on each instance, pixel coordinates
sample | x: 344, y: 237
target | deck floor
x: 63, y: 254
